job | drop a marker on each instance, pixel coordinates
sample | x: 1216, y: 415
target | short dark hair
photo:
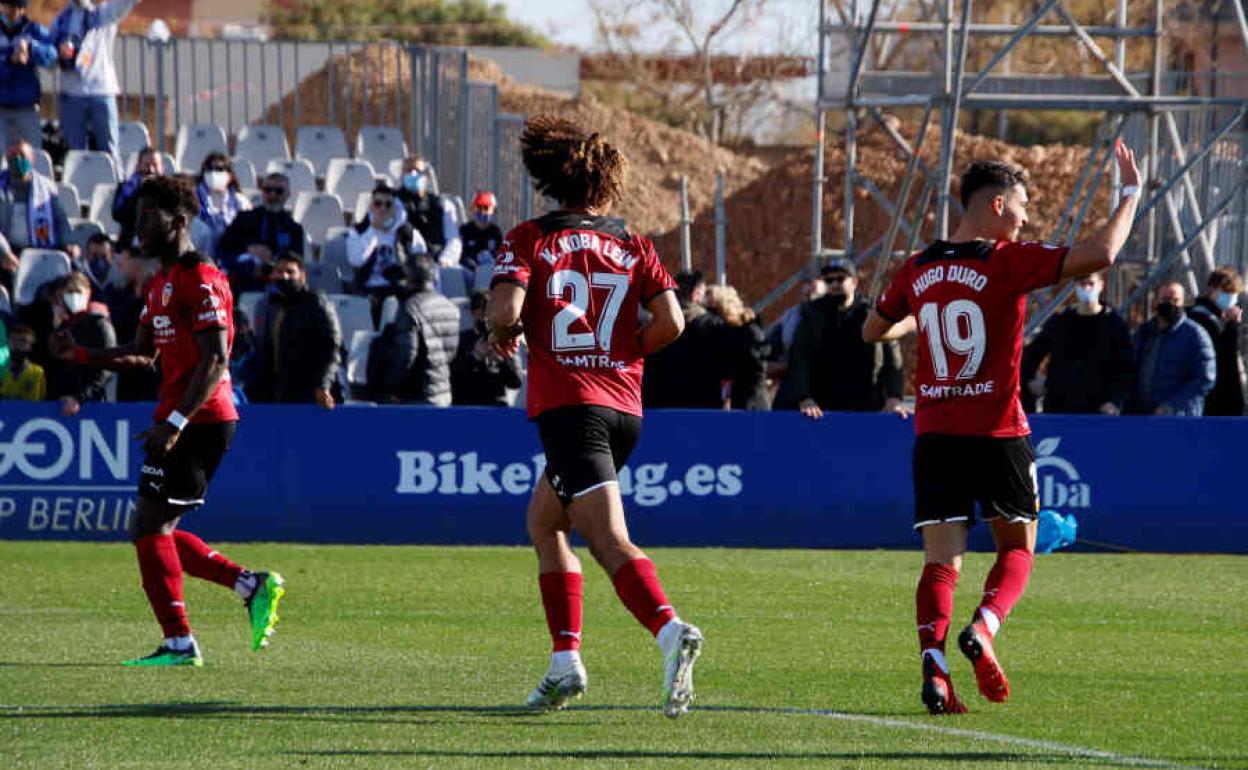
x: 172, y: 194
x: 99, y: 238
x: 290, y: 256
x: 687, y: 281
x: 384, y: 189
x: 990, y: 174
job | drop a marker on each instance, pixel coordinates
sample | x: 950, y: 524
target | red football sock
x: 1006, y: 581
x: 204, y: 563
x: 562, y: 596
x: 933, y: 603
x: 162, y: 581
x: 637, y: 585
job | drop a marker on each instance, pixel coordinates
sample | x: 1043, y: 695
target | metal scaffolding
x: 1193, y: 149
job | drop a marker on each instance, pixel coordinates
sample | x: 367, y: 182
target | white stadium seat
x: 70, y: 199
x: 194, y: 144
x: 244, y: 171
x: 300, y: 173
x: 36, y: 267
x: 85, y: 169
x: 247, y: 302
x: 380, y: 145
x: 101, y: 210
x: 318, y: 212
x: 354, y: 314
x: 261, y: 144
x: 320, y: 144
x: 43, y: 164
x: 131, y: 137
x: 348, y: 178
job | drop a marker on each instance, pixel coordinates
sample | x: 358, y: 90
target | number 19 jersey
x: 970, y: 301
x: 585, y: 279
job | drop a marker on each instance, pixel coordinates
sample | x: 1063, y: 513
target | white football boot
x: 681, y: 644
x: 559, y: 686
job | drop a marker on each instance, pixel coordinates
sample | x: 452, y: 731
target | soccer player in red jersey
x: 572, y: 283
x: 188, y: 322
x: 967, y: 297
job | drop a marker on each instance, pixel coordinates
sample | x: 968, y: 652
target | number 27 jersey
x: 585, y: 279
x: 970, y: 302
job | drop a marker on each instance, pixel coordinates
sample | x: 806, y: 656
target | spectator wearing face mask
x: 1088, y: 349
x: 382, y: 248
x: 481, y: 237
x: 24, y: 45
x: 252, y: 241
x: 1218, y: 313
x: 479, y: 376
x: 426, y: 336
x: 84, y: 34
x: 72, y: 384
x: 126, y: 199
x: 31, y: 214
x: 432, y: 215
x: 220, y: 201
x: 298, y: 338
x: 21, y: 379
x: 97, y: 262
x: 831, y: 367
x: 1175, y: 364
x: 780, y: 340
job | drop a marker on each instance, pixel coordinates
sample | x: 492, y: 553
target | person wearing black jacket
x: 690, y: 372
x: 426, y: 337
x: 255, y: 237
x: 299, y: 337
x: 70, y: 384
x: 831, y: 368
x: 479, y: 376
x: 744, y: 347
x: 1090, y: 358
x: 1218, y: 313
x: 126, y: 198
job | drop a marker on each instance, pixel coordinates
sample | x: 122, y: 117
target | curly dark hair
x: 989, y: 174
x: 576, y: 168
x: 172, y: 195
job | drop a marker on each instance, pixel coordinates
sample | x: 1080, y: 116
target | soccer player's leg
x: 560, y: 581
x: 1010, y: 505
x: 944, y: 507
x: 151, y: 529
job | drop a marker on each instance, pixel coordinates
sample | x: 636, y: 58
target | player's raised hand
x: 1128, y: 172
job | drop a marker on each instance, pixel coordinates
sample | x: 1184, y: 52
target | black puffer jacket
x: 91, y: 329
x: 426, y: 338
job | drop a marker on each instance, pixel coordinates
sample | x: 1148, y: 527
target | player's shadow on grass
x: 4, y: 664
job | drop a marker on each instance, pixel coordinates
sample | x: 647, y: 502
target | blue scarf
x: 219, y: 220
x: 40, y: 219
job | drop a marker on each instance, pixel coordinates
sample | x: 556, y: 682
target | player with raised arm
x: 572, y: 283
x: 188, y: 321
x: 968, y: 298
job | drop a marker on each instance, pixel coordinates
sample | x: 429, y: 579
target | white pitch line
x: 1013, y: 740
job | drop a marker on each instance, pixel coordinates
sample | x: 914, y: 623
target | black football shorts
x: 585, y: 447
x: 181, y: 477
x: 953, y: 473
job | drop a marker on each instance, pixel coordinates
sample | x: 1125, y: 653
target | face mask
x: 286, y: 286
x: 414, y: 182
x: 217, y: 181
x: 99, y: 268
x: 1086, y: 295
x: 275, y: 208
x: 482, y: 217
x: 19, y: 166
x: 75, y: 302
x: 1226, y: 300
x: 387, y: 223
x: 1167, y: 311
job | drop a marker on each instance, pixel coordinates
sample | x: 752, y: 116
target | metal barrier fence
x: 424, y: 91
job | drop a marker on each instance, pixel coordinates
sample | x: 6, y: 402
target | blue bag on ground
x: 1055, y: 531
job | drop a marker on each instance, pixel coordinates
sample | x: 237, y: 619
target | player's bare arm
x: 503, y: 317
x: 137, y: 354
x: 1098, y: 251
x: 666, y: 323
x: 880, y: 329
x: 214, y: 356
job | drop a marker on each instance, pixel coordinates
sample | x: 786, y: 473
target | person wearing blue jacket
x: 1175, y: 360
x: 24, y: 45
x: 83, y: 34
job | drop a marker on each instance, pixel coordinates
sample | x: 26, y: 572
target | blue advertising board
x: 463, y: 476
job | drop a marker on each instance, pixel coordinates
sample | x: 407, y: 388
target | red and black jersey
x: 970, y: 301
x: 586, y: 277
x: 190, y: 296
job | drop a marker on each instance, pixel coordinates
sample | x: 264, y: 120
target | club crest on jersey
x: 166, y: 294
x: 210, y: 297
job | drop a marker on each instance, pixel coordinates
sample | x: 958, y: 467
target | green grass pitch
x: 418, y: 657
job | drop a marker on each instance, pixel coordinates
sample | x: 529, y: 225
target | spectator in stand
x: 24, y: 45
x: 780, y: 340
x: 831, y: 368
x: 220, y: 201
x: 1088, y: 349
x: 84, y: 34
x: 690, y: 372
x: 126, y: 199
x: 97, y: 262
x: 298, y: 337
x: 479, y: 376
x: 426, y: 337
x: 124, y: 298
x: 70, y: 384
x: 481, y: 237
x: 1219, y: 315
x: 431, y: 214
x: 1175, y: 364
x: 22, y: 379
x: 745, y: 349
x: 382, y: 248
x: 255, y: 237
x: 31, y: 214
